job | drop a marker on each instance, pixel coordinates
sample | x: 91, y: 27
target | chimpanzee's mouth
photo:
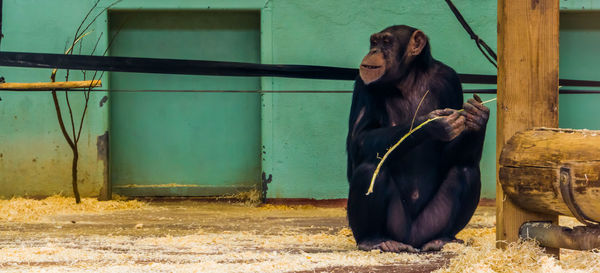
x: 370, y: 66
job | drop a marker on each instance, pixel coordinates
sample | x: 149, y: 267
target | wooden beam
x: 527, y: 90
x: 36, y: 86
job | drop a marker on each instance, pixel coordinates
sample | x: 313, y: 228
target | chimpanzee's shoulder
x: 449, y: 86
x: 446, y: 72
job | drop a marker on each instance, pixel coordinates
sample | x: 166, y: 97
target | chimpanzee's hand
x: 476, y: 114
x: 448, y: 126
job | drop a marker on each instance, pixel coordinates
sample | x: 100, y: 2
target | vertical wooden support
x: 527, y: 89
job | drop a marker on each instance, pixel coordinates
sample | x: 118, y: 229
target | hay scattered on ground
x: 23, y: 209
x: 479, y: 254
x: 237, y: 238
x: 251, y: 198
x: 286, y: 207
x: 210, y: 252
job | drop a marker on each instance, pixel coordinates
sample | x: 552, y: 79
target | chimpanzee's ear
x: 417, y: 42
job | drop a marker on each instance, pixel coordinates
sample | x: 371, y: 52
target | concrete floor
x: 193, y: 236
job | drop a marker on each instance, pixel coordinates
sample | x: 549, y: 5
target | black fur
x: 428, y: 188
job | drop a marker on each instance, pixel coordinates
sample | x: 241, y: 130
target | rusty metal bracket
x: 555, y: 236
x: 566, y: 191
x: 264, y: 186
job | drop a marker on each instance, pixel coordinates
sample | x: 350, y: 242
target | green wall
x: 190, y: 141
x: 302, y: 134
x: 34, y: 157
x: 307, y: 157
x: 579, y: 59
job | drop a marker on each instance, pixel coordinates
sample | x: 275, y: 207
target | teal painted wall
x: 579, y: 59
x: 302, y: 134
x: 307, y: 155
x: 34, y: 157
x: 200, y: 143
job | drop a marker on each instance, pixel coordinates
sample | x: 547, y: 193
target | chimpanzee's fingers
x: 459, y: 125
x: 477, y: 98
x: 454, y: 115
x: 383, y: 247
x: 461, y: 120
x: 445, y: 112
x: 409, y: 249
x: 472, y: 108
x: 469, y: 116
x: 456, y: 118
x: 472, y: 125
x: 436, y: 113
x: 394, y: 247
x: 478, y: 105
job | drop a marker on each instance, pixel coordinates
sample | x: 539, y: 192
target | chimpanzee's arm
x: 367, y: 139
x: 466, y: 149
x: 376, y: 142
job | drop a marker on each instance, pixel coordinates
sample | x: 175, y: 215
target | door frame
x: 266, y: 57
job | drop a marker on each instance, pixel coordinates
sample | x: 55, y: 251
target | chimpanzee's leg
x: 449, y: 210
x: 368, y: 215
x: 398, y: 223
x: 469, y: 205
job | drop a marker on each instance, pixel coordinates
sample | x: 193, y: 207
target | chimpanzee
x: 428, y: 188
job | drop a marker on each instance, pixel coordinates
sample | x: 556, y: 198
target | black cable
x: 466, y: 91
x: 489, y: 54
x: 173, y: 66
x: 214, y: 68
x: 1, y: 34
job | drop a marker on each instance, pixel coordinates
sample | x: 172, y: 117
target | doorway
x: 184, y: 142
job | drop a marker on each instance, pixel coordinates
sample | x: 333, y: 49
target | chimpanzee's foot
x: 438, y: 244
x: 387, y: 246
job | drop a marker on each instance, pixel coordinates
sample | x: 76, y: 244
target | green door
x: 183, y: 143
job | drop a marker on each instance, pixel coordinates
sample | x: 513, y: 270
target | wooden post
x: 527, y: 90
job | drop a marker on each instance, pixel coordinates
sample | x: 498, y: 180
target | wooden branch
x: 36, y: 86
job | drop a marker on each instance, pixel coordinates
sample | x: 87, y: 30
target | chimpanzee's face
x: 388, y: 54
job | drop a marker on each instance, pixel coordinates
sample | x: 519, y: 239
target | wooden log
x: 553, y: 171
x: 527, y: 90
x: 36, y: 86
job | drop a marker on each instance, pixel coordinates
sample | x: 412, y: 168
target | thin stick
x: 483, y: 102
x: 36, y: 86
x: 69, y: 51
x: 417, y: 111
x: 83, y: 21
x: 87, y: 93
x: 70, y: 114
x: 390, y: 150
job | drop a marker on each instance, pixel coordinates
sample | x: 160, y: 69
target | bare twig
x: 60, y: 120
x: 391, y: 149
x: 74, y: 139
x: 417, y: 111
x: 53, y: 76
x: 99, y: 13
x: 92, y: 53
x: 87, y: 93
x: 77, y: 38
x: 70, y: 113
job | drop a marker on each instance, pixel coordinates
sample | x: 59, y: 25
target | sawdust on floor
x: 55, y: 235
